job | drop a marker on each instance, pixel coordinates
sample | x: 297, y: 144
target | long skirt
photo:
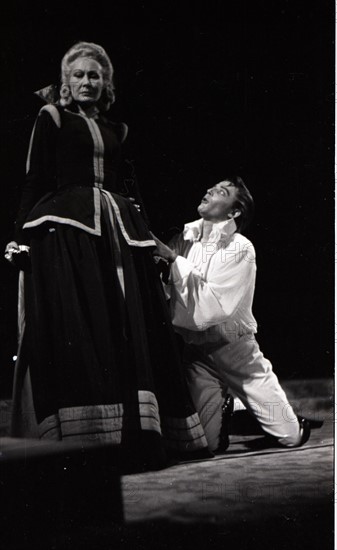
x: 98, y: 357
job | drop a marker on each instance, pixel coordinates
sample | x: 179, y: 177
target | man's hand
x: 133, y: 200
x: 163, y: 250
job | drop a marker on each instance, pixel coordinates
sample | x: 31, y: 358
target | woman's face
x: 86, y: 80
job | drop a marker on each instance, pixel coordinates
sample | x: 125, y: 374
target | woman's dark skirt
x: 101, y: 352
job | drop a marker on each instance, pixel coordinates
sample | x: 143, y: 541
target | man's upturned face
x: 218, y: 202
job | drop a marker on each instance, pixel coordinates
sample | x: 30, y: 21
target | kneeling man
x: 211, y: 287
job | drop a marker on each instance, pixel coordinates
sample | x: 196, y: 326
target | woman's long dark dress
x: 97, y: 339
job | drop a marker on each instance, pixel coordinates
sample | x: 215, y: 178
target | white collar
x: 92, y: 112
x: 222, y: 231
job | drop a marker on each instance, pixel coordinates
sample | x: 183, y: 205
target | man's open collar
x: 222, y: 231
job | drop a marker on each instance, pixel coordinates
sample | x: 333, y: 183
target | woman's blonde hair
x: 96, y: 52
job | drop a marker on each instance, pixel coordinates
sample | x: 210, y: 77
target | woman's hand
x: 163, y: 250
x: 17, y: 255
x: 11, y: 248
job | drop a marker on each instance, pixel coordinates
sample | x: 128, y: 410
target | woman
x: 97, y: 356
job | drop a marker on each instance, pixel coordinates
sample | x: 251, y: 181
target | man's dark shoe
x: 269, y: 441
x: 305, y: 430
x: 227, y: 413
x: 314, y: 424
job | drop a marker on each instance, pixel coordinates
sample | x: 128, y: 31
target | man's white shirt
x: 211, y: 284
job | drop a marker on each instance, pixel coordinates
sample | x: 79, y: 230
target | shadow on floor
x: 311, y: 528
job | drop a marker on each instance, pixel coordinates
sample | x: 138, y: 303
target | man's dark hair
x: 244, y: 202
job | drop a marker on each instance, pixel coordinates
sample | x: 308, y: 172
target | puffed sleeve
x: 200, y: 301
x: 40, y: 167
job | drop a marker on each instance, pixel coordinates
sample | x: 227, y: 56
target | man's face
x: 218, y: 202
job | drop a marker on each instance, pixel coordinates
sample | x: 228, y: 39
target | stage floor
x: 273, y: 498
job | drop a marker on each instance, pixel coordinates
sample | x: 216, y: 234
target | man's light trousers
x: 239, y: 367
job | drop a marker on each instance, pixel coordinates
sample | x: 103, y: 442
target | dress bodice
x: 87, y: 151
x: 71, y: 157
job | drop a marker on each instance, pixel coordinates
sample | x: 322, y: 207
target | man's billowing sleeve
x: 199, y: 301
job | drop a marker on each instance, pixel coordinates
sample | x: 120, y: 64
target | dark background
x: 207, y: 88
